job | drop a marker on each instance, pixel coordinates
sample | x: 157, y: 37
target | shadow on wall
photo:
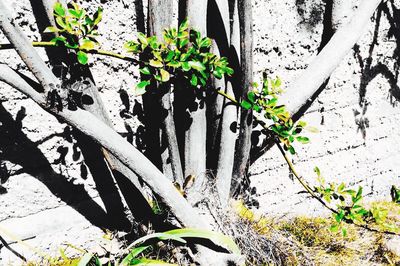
x: 370, y: 69
x: 18, y: 149
x: 311, y: 12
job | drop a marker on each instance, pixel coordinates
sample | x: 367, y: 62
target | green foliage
x: 349, y: 206
x: 75, y: 29
x: 183, y: 52
x: 265, y: 101
x: 179, y: 235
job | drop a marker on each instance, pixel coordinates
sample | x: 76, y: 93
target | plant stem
x: 89, y: 51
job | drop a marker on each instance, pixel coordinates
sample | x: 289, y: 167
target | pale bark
x: 195, y: 136
x: 229, y: 113
x: 300, y: 91
x: 117, y: 145
x: 23, y: 47
x: 246, y: 62
x: 160, y: 18
x: 119, y: 170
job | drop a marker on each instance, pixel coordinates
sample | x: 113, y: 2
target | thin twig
x: 89, y: 51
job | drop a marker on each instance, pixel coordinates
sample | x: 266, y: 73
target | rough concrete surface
x: 51, y: 196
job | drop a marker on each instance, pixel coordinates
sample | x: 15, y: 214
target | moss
x: 320, y: 245
x: 313, y: 232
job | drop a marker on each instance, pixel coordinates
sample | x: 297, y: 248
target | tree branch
x: 246, y: 119
x: 160, y: 18
x: 301, y: 90
x: 229, y: 115
x: 115, y: 144
x: 25, y: 50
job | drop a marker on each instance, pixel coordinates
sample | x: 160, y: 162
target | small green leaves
x: 59, y: 9
x: 164, y: 75
x: 97, y: 17
x: 245, y: 104
x: 317, y: 171
x: 141, y: 87
x: 51, y: 29
x: 193, y: 80
x: 197, y: 65
x: 82, y: 57
x: 155, y: 63
x: 303, y: 140
x: 76, y: 29
x: 145, y: 71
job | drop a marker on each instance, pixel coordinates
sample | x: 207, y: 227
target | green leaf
x: 97, y: 17
x: 257, y: 108
x: 145, y: 71
x: 251, y: 96
x: 75, y: 13
x: 142, y: 38
x: 303, y: 140
x: 197, y: 65
x: 301, y: 124
x: 87, y: 44
x: 170, y: 56
x: 85, y: 259
x: 292, y: 150
x: 59, y: 9
x: 185, y: 66
x: 51, y: 29
x: 193, y: 80
x: 184, y: 25
x: 143, y: 84
x: 61, y: 22
x: 278, y: 82
x: 174, y: 64
x: 334, y: 228
x: 149, y: 262
x: 245, y: 104
x: 317, y: 171
x: 155, y: 63
x: 217, y: 238
x: 344, y: 232
x: 133, y: 254
x: 82, y: 57
x: 59, y: 40
x: 165, y: 76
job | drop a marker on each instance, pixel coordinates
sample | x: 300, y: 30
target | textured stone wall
x: 49, y: 196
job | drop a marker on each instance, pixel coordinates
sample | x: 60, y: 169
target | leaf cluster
x: 265, y: 101
x: 183, y: 52
x: 350, y: 208
x: 75, y: 28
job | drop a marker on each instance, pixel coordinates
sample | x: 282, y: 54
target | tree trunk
x: 127, y: 181
x: 118, y: 146
x: 229, y: 114
x: 195, y: 136
x: 159, y: 19
x: 243, y: 145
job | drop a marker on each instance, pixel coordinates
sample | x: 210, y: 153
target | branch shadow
x: 261, y: 143
x: 17, y: 148
x: 370, y: 70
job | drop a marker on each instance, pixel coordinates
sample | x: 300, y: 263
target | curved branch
x: 115, y: 144
x: 25, y: 50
